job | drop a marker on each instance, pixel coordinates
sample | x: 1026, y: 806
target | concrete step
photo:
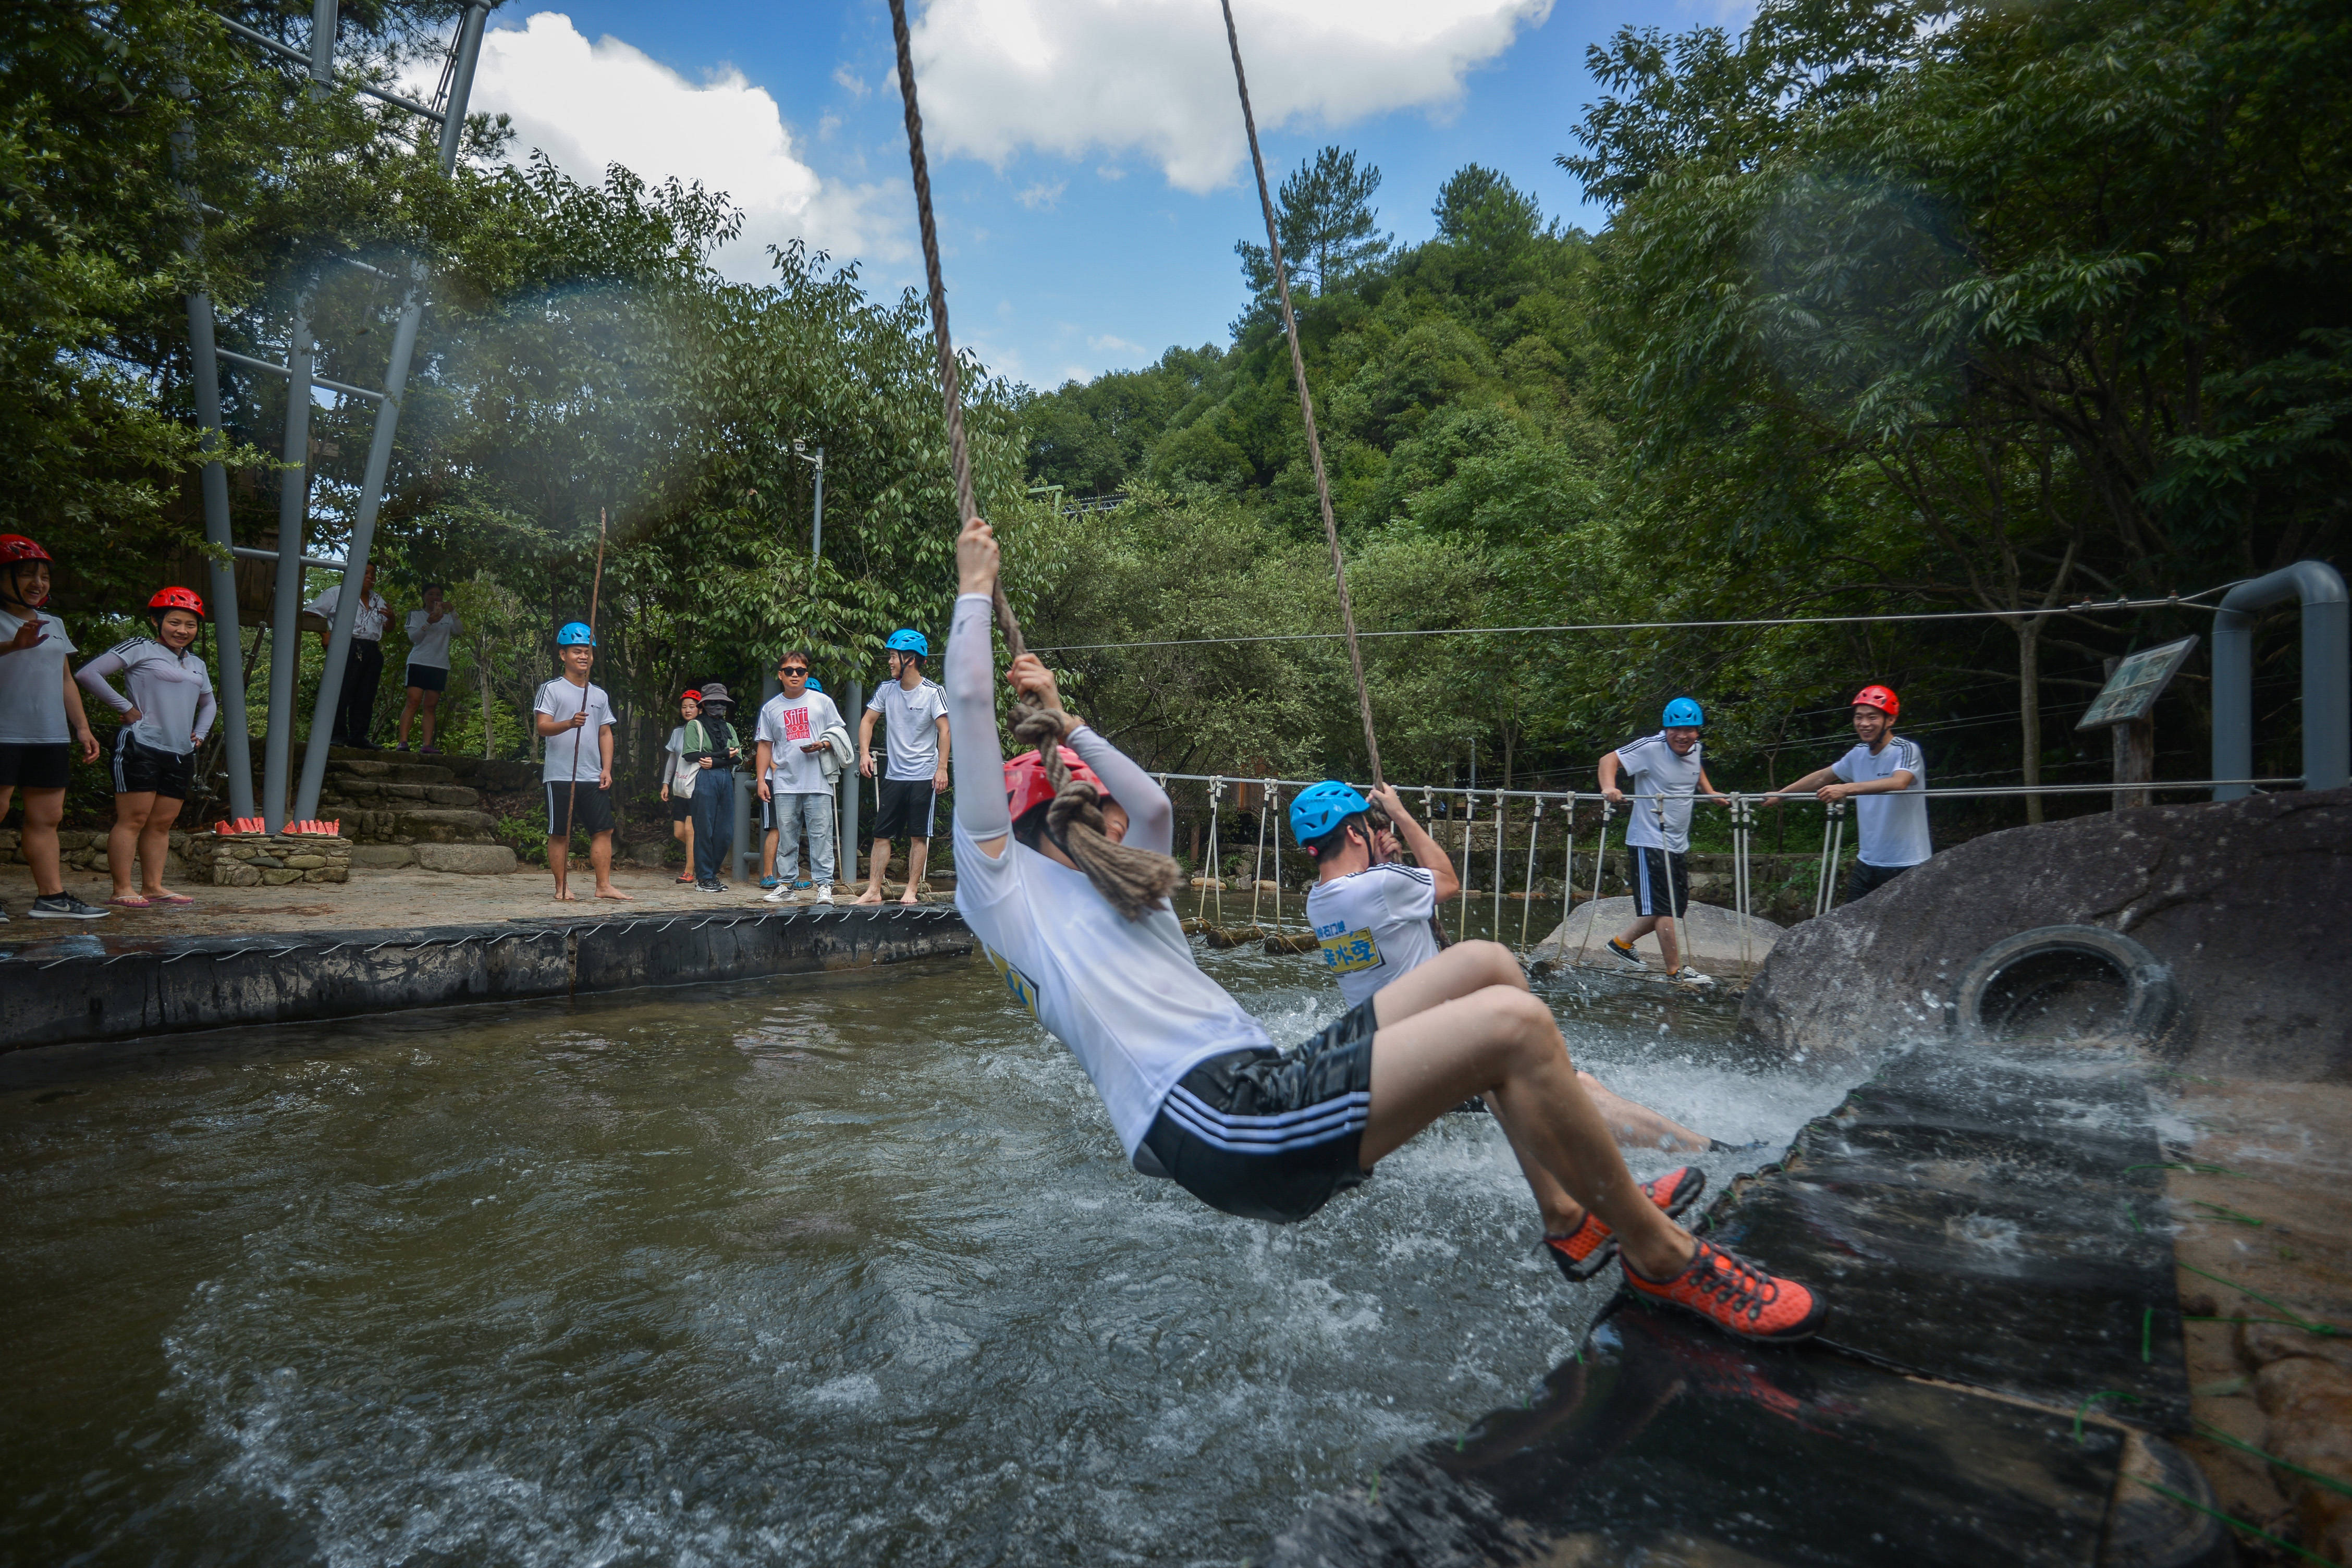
x: 388, y: 770
x: 419, y: 825
x: 394, y: 794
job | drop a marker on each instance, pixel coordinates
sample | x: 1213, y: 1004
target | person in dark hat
x: 712, y: 748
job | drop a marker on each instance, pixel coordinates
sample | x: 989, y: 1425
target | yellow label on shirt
x: 1023, y: 989
x: 1345, y: 953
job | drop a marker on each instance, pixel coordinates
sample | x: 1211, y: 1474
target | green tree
x: 1329, y: 229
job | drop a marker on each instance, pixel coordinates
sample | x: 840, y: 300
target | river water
x: 809, y: 1270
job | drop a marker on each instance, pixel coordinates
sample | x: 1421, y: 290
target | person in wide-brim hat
x: 711, y: 745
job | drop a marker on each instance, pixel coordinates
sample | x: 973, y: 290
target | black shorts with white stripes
x: 1268, y: 1135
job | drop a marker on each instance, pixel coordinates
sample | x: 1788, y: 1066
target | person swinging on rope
x: 1375, y: 919
x: 1062, y: 873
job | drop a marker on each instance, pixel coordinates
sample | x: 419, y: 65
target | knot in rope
x: 1136, y: 881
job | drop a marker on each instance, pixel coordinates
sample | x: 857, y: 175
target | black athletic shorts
x: 1660, y: 876
x: 1869, y: 878
x: 681, y: 806
x: 1268, y: 1135
x: 905, y: 811
x: 36, y: 767
x: 141, y: 769
x: 428, y: 678
x: 595, y: 808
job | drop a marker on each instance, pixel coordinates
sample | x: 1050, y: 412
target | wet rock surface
x: 2245, y: 900
x: 2004, y: 1336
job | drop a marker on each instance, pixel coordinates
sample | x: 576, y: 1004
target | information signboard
x: 2131, y: 691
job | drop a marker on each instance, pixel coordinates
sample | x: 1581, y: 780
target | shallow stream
x: 812, y: 1270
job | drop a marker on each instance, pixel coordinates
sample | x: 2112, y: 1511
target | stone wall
x: 86, y: 851
x: 253, y: 860
x: 2246, y: 900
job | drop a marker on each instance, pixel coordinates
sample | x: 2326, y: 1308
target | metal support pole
x: 293, y: 509
x: 237, y: 751
x: 1527, y: 889
x: 747, y: 840
x: 816, y: 522
x: 2326, y: 676
x: 1502, y: 829
x: 1592, y: 906
x: 387, y: 425
x: 1469, y: 816
x: 847, y: 869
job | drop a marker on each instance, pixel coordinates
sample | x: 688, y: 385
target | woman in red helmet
x: 1062, y: 872
x: 1885, y: 776
x: 41, y: 721
x: 164, y: 718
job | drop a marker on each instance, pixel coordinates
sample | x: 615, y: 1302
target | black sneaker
x: 64, y: 907
x: 1625, y: 956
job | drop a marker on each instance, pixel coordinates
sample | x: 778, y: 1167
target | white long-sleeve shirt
x: 172, y: 691
x: 1124, y: 995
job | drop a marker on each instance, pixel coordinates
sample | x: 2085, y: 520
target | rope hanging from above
x: 950, y: 382
x: 1299, y: 374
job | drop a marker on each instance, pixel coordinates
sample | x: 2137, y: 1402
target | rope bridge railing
x: 1741, y: 807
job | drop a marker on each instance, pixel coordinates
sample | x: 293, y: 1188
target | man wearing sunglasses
x: 791, y: 733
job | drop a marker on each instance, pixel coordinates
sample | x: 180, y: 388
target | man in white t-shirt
x: 364, y: 666
x: 41, y: 722
x: 1666, y: 770
x: 430, y: 631
x: 789, y: 735
x: 575, y: 719
x: 1375, y: 919
x: 914, y: 717
x: 1885, y: 776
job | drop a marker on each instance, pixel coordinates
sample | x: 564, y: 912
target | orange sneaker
x: 1586, y: 1250
x: 1738, y: 1297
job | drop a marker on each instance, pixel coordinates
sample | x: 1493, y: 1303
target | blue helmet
x: 1682, y: 712
x: 815, y: 684
x: 1318, y: 808
x: 575, y: 634
x: 906, y: 639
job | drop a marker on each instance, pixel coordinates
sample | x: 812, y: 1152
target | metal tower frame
x: 300, y: 371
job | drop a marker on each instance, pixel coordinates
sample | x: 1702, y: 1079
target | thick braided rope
x: 1305, y: 401
x: 959, y: 452
x: 1136, y: 881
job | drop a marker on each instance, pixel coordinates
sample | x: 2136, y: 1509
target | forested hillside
x: 1899, y: 310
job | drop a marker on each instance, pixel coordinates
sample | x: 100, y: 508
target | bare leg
x: 918, y: 854
x: 600, y: 856
x: 44, y: 808
x: 154, y: 843
x: 1501, y: 1042
x: 1667, y: 946
x: 881, y: 862
x: 432, y: 704
x: 130, y: 814
x: 1640, y: 928
x: 1635, y: 1124
x: 407, y: 712
x: 559, y: 851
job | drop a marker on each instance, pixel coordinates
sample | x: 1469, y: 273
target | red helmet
x: 176, y: 599
x: 1026, y: 787
x: 1882, y: 697
x: 691, y: 695
x: 15, y: 547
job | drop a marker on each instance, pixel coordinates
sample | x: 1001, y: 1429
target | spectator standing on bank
x: 1665, y: 770
x: 713, y: 749
x: 41, y: 722
x: 430, y: 630
x: 1886, y: 778
x: 170, y: 707
x: 914, y: 715
x: 575, y: 719
x: 679, y: 779
x: 363, y: 668
x: 791, y: 733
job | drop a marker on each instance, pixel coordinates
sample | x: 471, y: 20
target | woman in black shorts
x: 164, y: 718
x: 41, y: 721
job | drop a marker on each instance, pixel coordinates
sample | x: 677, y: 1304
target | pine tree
x: 1328, y: 227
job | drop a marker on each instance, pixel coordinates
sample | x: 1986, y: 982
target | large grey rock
x: 2247, y: 902
x: 381, y: 856
x: 466, y: 860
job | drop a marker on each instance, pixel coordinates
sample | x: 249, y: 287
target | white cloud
x: 1108, y: 344
x: 849, y: 79
x: 1042, y: 194
x: 590, y: 105
x: 1152, y: 78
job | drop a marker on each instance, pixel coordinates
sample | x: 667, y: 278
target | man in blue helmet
x: 914, y: 714
x: 575, y: 720
x: 1375, y: 919
x: 1666, y: 770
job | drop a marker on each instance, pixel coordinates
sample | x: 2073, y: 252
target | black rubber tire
x: 2149, y: 1000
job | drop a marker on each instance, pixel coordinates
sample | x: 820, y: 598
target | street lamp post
x: 817, y: 528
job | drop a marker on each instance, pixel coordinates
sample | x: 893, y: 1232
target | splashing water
x: 825, y: 1269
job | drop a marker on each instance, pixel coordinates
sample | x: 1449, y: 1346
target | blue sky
x: 1086, y: 154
